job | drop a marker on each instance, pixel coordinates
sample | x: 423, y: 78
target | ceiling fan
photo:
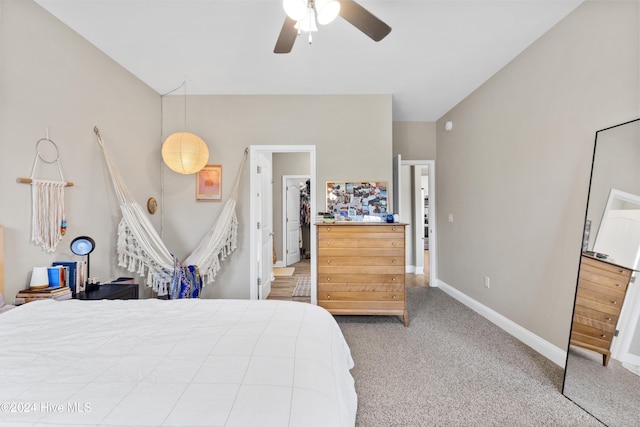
x: 302, y: 15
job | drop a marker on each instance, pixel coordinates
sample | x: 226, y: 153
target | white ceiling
x: 438, y: 52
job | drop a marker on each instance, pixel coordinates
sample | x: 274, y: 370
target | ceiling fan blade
x: 363, y: 20
x: 287, y: 36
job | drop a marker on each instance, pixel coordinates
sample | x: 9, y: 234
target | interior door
x: 418, y: 219
x: 265, y: 219
x: 293, y: 221
x: 619, y: 236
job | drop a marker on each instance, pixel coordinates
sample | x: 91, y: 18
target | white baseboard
x: 279, y: 264
x: 544, y: 347
x: 410, y: 269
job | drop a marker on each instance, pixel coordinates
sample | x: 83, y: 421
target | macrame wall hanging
x: 48, y: 223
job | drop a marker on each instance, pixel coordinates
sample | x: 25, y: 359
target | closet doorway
x: 296, y: 220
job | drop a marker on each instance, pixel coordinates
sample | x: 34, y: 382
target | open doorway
x: 270, y: 267
x: 414, y: 200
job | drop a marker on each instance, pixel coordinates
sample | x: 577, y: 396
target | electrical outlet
x: 450, y: 217
x: 487, y: 282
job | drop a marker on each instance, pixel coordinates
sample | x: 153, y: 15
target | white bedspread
x: 174, y: 363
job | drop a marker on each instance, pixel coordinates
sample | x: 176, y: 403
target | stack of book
x: 59, y: 293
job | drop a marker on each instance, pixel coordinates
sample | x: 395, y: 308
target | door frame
x: 285, y: 238
x: 253, y: 191
x: 433, y: 245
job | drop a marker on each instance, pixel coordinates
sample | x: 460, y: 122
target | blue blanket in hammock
x: 186, y: 281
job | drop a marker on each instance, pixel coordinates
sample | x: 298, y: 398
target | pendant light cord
x: 184, y: 84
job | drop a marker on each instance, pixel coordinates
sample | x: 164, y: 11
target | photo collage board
x: 356, y: 200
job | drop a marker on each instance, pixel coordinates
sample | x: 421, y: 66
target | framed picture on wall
x: 357, y: 199
x: 209, y: 184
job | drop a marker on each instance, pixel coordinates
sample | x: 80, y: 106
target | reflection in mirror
x: 602, y: 373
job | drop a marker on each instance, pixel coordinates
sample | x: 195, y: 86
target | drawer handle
x: 328, y: 279
x: 328, y: 261
x: 328, y: 228
x: 614, y: 302
x: 328, y: 243
x: 393, y: 243
x: 393, y: 279
x: 618, y: 285
x: 328, y: 296
x: 608, y: 319
x: 393, y: 229
x: 393, y: 261
x: 603, y: 336
x: 394, y: 297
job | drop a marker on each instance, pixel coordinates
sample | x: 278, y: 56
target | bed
x: 174, y: 363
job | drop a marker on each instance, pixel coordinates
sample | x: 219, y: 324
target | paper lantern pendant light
x: 185, y: 153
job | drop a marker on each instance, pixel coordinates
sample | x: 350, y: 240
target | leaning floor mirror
x: 602, y: 373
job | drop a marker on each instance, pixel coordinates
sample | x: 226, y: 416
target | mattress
x: 174, y: 363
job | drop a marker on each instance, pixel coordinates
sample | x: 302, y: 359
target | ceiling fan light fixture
x: 327, y: 10
x: 295, y: 9
x: 308, y: 23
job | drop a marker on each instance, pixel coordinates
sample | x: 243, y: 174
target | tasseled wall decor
x: 48, y: 223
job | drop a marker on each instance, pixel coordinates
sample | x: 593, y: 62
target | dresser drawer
x: 363, y: 307
x: 611, y: 291
x: 604, y: 267
x: 596, y: 306
x: 596, y: 324
x: 381, y: 231
x: 360, y: 296
x: 604, y: 278
x: 614, y: 302
x: 596, y: 316
x: 361, y: 243
x: 604, y: 337
x: 361, y: 269
x: 361, y: 278
x: 360, y: 287
x: 391, y: 261
x: 578, y: 338
x: 364, y: 252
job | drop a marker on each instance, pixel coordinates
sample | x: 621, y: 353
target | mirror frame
x: 579, y: 258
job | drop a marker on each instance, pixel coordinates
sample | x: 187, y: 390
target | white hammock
x: 141, y: 250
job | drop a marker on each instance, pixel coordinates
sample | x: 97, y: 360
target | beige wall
x: 414, y: 140
x: 51, y: 78
x: 514, y: 171
x: 352, y: 135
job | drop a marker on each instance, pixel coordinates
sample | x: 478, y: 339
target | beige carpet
x: 283, y: 272
x: 452, y: 368
x: 303, y: 287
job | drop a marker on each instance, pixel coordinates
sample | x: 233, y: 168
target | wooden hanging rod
x: 29, y: 181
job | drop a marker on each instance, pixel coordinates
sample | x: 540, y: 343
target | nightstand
x: 111, y: 291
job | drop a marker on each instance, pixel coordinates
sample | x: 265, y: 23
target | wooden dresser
x: 601, y: 290
x: 361, y: 268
